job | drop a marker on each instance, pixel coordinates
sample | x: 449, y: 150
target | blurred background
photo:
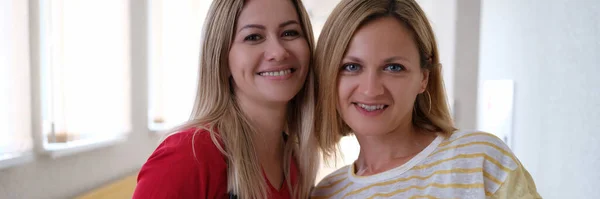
x: 88, y: 88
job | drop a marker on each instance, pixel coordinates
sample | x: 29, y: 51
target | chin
x: 367, y: 129
x: 368, y: 134
x: 280, y: 97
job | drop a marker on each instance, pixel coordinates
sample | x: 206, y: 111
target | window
x: 85, y: 72
x: 175, y: 30
x: 15, y: 103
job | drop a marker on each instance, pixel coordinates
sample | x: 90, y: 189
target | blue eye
x: 351, y: 67
x: 394, y: 68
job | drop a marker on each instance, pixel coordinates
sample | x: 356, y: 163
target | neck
x: 269, y: 122
x: 268, y: 119
x: 383, y: 152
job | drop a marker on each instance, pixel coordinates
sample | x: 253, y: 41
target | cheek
x: 405, y: 94
x: 241, y: 59
x: 344, y: 90
x: 234, y: 58
x: 342, y: 100
x: 299, y: 48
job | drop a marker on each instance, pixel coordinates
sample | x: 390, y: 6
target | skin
x: 268, y: 38
x: 380, y: 78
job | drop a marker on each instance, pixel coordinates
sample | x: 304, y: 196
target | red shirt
x: 173, y: 172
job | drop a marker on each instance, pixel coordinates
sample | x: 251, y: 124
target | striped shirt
x: 464, y: 165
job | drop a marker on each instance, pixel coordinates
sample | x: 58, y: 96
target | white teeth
x: 371, y: 107
x: 276, y: 73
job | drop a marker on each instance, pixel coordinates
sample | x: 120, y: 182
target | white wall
x: 456, y: 26
x: 466, y: 63
x: 551, y: 49
x: 69, y: 176
x: 442, y: 16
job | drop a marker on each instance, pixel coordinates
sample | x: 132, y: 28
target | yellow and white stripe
x: 464, y: 165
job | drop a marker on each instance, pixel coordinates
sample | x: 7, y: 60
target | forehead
x: 267, y: 12
x: 383, y: 38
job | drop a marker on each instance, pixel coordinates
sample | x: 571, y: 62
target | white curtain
x: 15, y: 102
x: 175, y: 31
x: 86, y: 69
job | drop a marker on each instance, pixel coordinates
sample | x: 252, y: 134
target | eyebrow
x: 354, y: 59
x: 394, y: 58
x: 390, y: 59
x: 290, y: 22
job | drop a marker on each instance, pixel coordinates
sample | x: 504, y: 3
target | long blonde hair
x: 216, y: 110
x: 430, y: 110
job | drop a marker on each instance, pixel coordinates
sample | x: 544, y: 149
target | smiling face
x: 269, y: 56
x: 380, y: 77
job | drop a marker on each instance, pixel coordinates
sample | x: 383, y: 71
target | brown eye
x: 291, y: 33
x: 253, y: 37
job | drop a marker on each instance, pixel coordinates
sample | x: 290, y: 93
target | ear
x: 425, y: 80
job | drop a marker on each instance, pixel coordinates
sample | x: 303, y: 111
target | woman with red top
x: 250, y: 134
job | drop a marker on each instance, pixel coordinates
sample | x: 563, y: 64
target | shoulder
x: 191, y: 141
x: 332, y: 182
x: 476, y: 149
x: 504, y: 174
x: 478, y: 142
x: 473, y: 136
x: 518, y: 184
x: 341, y: 173
x: 188, y: 146
x: 182, y: 163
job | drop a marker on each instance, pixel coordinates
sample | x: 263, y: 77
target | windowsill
x: 158, y: 128
x: 7, y: 161
x: 56, y: 150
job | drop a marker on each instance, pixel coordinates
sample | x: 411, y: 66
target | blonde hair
x: 430, y: 110
x: 216, y: 110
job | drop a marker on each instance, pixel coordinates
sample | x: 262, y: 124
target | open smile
x: 370, y: 109
x: 278, y: 73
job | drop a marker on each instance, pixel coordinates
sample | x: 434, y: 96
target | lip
x: 364, y: 112
x: 370, y: 103
x: 275, y: 69
x: 281, y: 77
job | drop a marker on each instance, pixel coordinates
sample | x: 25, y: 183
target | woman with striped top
x: 380, y: 79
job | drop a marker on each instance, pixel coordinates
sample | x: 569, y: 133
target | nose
x: 371, y: 85
x: 275, y: 51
